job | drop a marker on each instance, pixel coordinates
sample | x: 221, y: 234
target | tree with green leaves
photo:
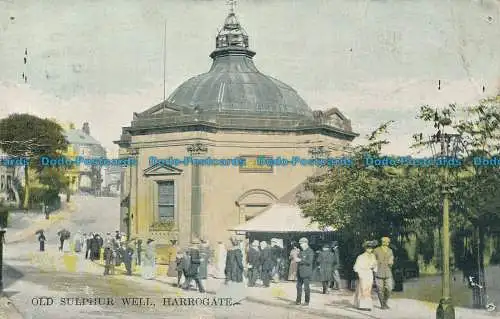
x: 366, y: 202
x: 28, y: 136
x: 476, y: 195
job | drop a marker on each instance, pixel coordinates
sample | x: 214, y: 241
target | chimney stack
x: 86, y: 128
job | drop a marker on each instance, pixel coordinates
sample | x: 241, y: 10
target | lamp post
x: 2, y: 236
x: 130, y: 216
x: 4, y: 215
x: 448, y: 148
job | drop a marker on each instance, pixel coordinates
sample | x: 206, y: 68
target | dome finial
x: 232, y: 34
x: 232, y: 4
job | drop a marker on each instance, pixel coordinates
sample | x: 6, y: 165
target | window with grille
x: 166, y: 201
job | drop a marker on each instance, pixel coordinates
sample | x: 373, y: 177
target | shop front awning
x: 280, y: 218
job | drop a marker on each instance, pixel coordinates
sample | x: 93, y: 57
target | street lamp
x: 449, y: 146
x: 2, y: 236
x: 4, y: 215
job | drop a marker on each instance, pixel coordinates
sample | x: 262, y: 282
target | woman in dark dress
x: 94, y: 248
x: 42, y: 240
x: 234, y: 263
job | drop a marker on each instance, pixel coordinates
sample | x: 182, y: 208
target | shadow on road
x: 10, y: 276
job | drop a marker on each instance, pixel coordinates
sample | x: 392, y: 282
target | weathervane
x: 231, y: 3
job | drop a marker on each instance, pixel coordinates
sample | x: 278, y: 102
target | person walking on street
x: 304, y: 271
x: 94, y: 248
x: 365, y: 267
x: 383, y: 275
x: 120, y: 252
x: 149, y: 261
x: 194, y: 267
x: 128, y: 256
x: 77, y: 242
x: 109, y: 263
x: 179, y: 263
x: 61, y: 241
x: 234, y: 268
x: 267, y: 263
x: 294, y: 254
x: 276, y: 252
x: 139, y: 251
x: 335, y: 284
x: 42, y: 240
x: 325, y: 265
x: 186, y: 263
x: 88, y: 245
x: 100, y: 250
x: 253, y: 263
x: 205, y: 258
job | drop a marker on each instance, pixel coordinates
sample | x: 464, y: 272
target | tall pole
x: 445, y: 309
x: 165, y: 62
x: 2, y: 236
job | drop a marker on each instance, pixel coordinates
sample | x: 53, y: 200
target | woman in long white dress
x: 149, y: 261
x: 365, y: 266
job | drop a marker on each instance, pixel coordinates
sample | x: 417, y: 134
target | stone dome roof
x: 234, y: 84
x: 234, y: 96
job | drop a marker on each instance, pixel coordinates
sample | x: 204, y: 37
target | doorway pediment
x: 160, y: 169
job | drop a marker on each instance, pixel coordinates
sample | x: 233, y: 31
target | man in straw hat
x: 365, y: 266
x: 383, y: 276
x: 304, y: 271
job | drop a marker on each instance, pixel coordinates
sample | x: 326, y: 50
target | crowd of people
x: 113, y: 249
x: 261, y: 262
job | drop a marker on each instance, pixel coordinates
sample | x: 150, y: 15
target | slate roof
x: 75, y: 136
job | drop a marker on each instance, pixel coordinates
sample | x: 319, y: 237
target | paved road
x: 30, y: 274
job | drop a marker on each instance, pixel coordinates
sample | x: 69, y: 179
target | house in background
x: 7, y: 175
x: 81, y: 143
x: 112, y: 180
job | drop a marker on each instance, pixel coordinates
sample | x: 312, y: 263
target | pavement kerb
x: 54, y: 218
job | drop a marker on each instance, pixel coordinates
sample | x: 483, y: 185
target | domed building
x: 233, y: 111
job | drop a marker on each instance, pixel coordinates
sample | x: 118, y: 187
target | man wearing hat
x: 325, y: 265
x: 335, y: 284
x: 253, y: 263
x: 383, y: 276
x: 266, y: 263
x: 194, y: 267
x: 304, y: 271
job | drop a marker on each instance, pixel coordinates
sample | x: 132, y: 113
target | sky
x: 99, y: 61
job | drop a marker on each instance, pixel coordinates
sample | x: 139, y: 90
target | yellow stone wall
x: 222, y: 187
x: 73, y: 173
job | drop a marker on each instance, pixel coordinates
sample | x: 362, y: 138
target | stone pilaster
x: 196, y: 150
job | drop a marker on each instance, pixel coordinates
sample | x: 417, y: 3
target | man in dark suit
x: 304, y: 271
x: 253, y: 263
x: 335, y: 284
x: 266, y: 261
x: 325, y: 264
x: 128, y: 257
x: 194, y: 267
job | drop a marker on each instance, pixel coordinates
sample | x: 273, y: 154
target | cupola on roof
x: 234, y: 95
x: 234, y: 83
